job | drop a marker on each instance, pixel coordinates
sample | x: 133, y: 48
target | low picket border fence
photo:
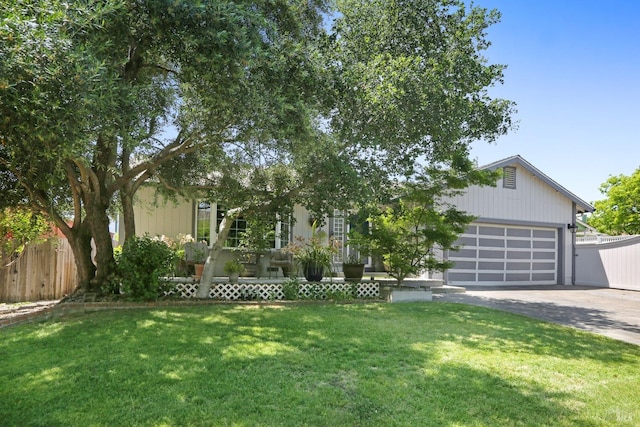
x: 276, y: 291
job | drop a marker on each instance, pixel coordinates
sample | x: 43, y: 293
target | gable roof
x: 581, y: 205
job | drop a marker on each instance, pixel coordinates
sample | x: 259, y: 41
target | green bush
x: 291, y: 289
x: 141, y: 263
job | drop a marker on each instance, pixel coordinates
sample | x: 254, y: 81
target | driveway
x: 610, y: 312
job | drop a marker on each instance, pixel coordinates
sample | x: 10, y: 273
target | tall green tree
x: 254, y: 104
x: 97, y: 96
x: 619, y: 213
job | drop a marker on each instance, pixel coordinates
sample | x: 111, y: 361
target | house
x: 522, y: 234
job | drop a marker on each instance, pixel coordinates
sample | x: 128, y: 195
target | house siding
x: 161, y: 217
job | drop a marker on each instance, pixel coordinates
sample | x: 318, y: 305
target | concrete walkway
x: 610, y: 312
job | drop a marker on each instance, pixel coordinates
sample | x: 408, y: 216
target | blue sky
x: 574, y: 71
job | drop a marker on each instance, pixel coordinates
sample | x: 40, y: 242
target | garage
x: 495, y: 254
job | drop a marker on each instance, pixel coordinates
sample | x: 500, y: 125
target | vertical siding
x: 162, y: 217
x: 532, y: 201
x: 613, y: 265
x: 43, y: 272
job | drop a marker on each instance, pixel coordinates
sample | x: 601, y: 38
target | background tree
x: 619, y: 213
x: 18, y: 228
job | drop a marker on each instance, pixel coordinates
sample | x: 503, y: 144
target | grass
x: 294, y: 365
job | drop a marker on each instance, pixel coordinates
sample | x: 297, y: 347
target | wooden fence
x: 43, y: 272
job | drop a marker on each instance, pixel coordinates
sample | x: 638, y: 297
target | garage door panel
x: 491, y: 243
x: 544, y: 244
x: 505, y: 254
x: 466, y: 253
x: 518, y: 277
x: 491, y: 254
x: 491, y: 231
x: 519, y: 266
x: 462, y: 277
x: 520, y: 244
x: 544, y: 255
x: 518, y: 232
x: 519, y: 255
x: 490, y: 277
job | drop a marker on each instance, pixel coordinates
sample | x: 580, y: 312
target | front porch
x: 280, y: 288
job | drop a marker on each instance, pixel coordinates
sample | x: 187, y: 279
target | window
x: 509, y: 177
x: 203, y: 222
x: 204, y: 219
x: 237, y: 228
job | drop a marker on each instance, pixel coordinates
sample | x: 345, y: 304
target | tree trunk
x: 105, y: 262
x: 128, y: 217
x: 207, y: 275
x: 127, y: 191
x: 79, y: 237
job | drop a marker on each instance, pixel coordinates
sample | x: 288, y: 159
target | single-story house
x: 522, y: 234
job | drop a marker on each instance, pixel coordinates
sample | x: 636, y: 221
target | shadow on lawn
x: 316, y: 365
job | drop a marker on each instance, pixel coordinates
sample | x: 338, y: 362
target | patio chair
x: 280, y: 259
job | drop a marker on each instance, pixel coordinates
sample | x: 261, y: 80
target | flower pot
x: 353, y: 272
x: 233, y: 277
x: 199, y: 268
x: 313, y: 271
x: 250, y: 269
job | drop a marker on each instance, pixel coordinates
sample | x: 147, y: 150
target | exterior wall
x: 161, y: 218
x: 532, y: 203
x: 613, y: 265
x: 166, y: 218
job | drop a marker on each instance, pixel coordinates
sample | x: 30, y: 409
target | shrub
x: 291, y: 289
x: 140, y: 265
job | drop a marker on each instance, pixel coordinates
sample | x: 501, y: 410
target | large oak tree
x: 255, y: 104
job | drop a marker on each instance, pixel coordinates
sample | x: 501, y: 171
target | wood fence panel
x: 43, y: 272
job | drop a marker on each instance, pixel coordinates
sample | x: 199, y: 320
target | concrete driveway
x: 610, y: 312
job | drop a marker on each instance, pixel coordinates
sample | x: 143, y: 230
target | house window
x: 204, y: 231
x: 509, y: 177
x: 283, y: 232
x: 203, y: 222
x: 237, y: 228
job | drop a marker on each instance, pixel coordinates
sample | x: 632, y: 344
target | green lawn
x: 339, y: 365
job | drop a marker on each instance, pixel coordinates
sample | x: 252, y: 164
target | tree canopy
x: 619, y: 213
x: 258, y: 105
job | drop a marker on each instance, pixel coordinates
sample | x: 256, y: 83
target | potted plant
x: 196, y: 252
x: 233, y: 268
x: 312, y: 254
x: 353, y: 268
x: 254, y: 243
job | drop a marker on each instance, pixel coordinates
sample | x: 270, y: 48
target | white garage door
x: 505, y: 255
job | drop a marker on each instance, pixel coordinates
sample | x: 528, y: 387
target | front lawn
x: 292, y: 365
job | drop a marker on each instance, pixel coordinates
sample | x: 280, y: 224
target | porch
x: 280, y: 288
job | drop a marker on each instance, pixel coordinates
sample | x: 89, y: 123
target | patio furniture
x: 280, y: 259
